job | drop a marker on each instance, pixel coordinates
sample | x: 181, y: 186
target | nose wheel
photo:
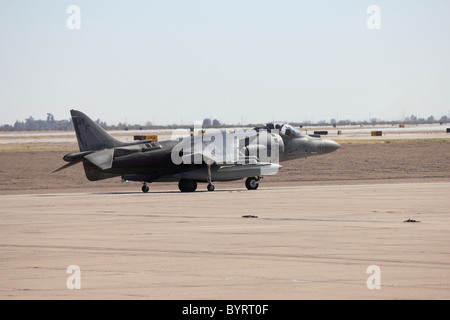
x: 210, y: 187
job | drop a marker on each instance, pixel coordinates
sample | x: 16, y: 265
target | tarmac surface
x: 300, y: 242
x: 329, y: 227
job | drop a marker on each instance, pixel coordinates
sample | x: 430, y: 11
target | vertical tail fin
x: 90, y: 135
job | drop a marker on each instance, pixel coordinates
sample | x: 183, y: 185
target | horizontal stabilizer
x: 76, y: 156
x: 102, y: 159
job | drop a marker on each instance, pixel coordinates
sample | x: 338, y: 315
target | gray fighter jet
x: 214, y: 155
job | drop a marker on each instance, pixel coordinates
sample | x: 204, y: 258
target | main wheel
x: 210, y: 187
x: 187, y: 185
x: 251, y: 183
x: 145, y: 188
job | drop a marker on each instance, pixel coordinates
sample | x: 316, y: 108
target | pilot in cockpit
x: 284, y: 129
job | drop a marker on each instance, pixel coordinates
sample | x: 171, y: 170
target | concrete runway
x: 308, y: 242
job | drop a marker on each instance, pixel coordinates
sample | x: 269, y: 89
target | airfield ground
x: 321, y: 222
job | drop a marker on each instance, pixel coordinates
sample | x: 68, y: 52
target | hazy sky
x: 179, y: 61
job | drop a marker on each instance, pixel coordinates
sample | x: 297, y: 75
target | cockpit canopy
x: 284, y: 128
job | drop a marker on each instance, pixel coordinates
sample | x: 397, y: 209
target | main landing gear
x: 252, y: 183
x: 187, y: 185
x: 191, y: 186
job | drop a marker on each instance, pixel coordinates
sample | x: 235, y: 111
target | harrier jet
x: 209, y: 156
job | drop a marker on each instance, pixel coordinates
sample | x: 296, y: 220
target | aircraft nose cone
x: 330, y: 146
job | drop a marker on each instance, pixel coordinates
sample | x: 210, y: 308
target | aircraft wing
x: 217, y: 148
x: 230, y: 172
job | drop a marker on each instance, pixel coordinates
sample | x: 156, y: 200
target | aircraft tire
x: 145, y: 188
x: 187, y: 185
x: 251, y: 183
x: 210, y: 187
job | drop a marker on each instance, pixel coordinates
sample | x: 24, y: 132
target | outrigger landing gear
x: 145, y: 188
x: 210, y: 184
x: 252, y: 183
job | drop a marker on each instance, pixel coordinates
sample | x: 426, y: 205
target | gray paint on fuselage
x: 149, y: 161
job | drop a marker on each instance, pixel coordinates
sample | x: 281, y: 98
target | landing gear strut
x: 145, y: 187
x: 252, y: 183
x: 210, y: 184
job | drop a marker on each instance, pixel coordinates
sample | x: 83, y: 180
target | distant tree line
x: 30, y: 124
x: 50, y: 124
x: 374, y: 121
